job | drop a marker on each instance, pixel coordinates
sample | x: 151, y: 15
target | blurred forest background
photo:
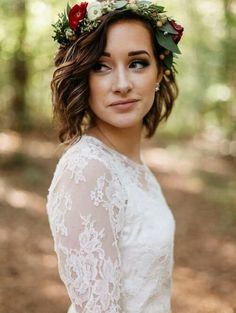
x: 193, y: 156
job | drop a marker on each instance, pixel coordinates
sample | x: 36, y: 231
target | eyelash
x: 144, y: 64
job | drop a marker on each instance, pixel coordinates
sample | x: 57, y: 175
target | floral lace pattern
x: 62, y: 198
x: 112, y: 230
x: 90, y: 271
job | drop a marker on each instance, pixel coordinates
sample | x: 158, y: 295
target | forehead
x: 125, y: 35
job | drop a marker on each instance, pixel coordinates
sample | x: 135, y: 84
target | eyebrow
x: 131, y: 53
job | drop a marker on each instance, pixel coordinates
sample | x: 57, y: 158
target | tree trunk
x: 229, y: 67
x: 19, y: 71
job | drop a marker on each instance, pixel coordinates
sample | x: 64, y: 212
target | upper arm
x: 85, y: 214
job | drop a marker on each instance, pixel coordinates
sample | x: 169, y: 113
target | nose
x: 122, y: 81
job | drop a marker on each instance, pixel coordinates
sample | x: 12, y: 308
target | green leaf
x: 120, y: 4
x: 167, y: 27
x: 168, y: 61
x: 167, y: 42
x: 144, y: 2
x: 68, y: 8
x: 159, y: 8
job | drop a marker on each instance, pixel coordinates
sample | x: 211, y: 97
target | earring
x: 157, y: 87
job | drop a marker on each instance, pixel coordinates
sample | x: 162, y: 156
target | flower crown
x: 84, y: 17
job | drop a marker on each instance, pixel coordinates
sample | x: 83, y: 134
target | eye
x: 139, y: 64
x: 100, y: 67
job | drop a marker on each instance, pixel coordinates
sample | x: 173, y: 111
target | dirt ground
x: 199, y: 185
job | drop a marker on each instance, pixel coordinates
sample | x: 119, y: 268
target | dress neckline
x: 127, y: 159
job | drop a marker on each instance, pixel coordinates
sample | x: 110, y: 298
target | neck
x: 124, y: 140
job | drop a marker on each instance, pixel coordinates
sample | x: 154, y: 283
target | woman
x: 114, y: 82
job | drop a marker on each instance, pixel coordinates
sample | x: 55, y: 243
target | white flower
x: 94, y: 10
x: 70, y: 34
x: 133, y: 6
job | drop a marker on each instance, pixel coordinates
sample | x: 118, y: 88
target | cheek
x: 97, y: 89
x: 148, y: 90
x: 98, y: 95
x: 148, y: 81
x: 147, y: 85
x: 94, y: 88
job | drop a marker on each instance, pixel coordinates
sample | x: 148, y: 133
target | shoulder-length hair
x: 70, y: 87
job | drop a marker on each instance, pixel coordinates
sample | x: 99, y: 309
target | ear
x: 160, y: 74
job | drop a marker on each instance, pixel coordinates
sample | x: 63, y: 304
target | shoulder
x: 86, y: 154
x: 83, y: 161
x: 86, y: 150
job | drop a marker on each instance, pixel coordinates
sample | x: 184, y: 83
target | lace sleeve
x: 85, y: 209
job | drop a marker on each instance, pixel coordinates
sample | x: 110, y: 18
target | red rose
x: 77, y: 14
x: 179, y: 29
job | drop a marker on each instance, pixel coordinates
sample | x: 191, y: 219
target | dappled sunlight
x: 192, y: 185
x: 36, y: 8
x: 178, y: 168
x: 41, y: 149
x: 205, y: 272
x: 189, y: 167
x: 3, y: 235
x: 52, y: 290
x: 10, y: 142
x: 212, y: 164
x: 21, y: 199
x: 192, y: 156
x: 192, y: 175
x: 49, y: 261
x: 195, y: 176
x: 13, y: 142
x: 166, y: 160
x: 212, y: 140
x: 200, y: 152
x: 224, y: 250
x: 228, y: 253
x: 192, y: 292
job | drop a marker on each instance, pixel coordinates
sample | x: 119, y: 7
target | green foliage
x: 167, y: 42
x: 207, y: 67
x: 169, y: 29
x: 152, y: 12
x: 60, y: 27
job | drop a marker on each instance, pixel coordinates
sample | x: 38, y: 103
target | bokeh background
x: 193, y: 156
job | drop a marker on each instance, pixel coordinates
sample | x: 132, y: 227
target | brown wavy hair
x: 70, y: 87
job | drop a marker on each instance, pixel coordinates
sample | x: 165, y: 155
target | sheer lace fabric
x: 113, y: 232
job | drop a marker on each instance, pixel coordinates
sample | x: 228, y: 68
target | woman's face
x: 126, y: 72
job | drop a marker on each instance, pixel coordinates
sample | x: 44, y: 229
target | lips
x: 123, y: 102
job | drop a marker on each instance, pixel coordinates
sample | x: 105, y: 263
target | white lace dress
x: 113, y: 231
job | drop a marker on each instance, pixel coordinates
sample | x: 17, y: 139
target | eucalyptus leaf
x: 68, y: 8
x: 144, y: 2
x: 167, y: 42
x: 64, y: 20
x: 120, y: 4
x: 167, y: 27
x: 168, y: 61
x: 160, y: 9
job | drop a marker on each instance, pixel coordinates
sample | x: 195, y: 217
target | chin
x: 126, y: 124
